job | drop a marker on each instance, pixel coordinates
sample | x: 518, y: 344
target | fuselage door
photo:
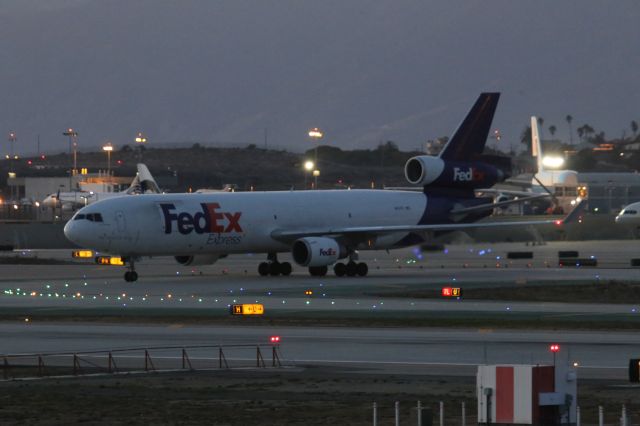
x: 121, y: 223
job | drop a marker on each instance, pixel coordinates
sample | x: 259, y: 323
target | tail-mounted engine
x: 436, y: 172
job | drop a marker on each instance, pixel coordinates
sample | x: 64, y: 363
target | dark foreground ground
x: 301, y: 396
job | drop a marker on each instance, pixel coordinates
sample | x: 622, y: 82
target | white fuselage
x: 629, y: 215
x: 237, y: 222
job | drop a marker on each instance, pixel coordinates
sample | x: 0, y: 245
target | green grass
x: 379, y: 318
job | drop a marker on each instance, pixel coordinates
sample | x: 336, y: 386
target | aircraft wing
x: 505, y: 192
x: 380, y: 230
x: 489, y: 206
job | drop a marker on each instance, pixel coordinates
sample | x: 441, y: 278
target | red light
x: 43, y: 157
x: 29, y: 162
x: 274, y: 339
x: 119, y: 161
x: 446, y: 291
x: 558, y: 222
x: 554, y: 348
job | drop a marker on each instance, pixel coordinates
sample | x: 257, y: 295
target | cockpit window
x: 630, y: 212
x: 93, y: 217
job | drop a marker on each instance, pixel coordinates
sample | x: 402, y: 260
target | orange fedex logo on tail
x: 467, y: 175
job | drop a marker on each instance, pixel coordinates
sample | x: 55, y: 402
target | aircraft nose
x: 72, y: 232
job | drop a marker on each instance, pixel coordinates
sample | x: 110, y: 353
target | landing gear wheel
x: 274, y: 269
x: 130, y: 276
x: 362, y: 269
x: 285, y: 269
x: 351, y: 269
x: 263, y: 269
x: 318, y: 271
x: 339, y: 269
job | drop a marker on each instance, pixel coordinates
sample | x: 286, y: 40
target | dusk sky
x: 220, y: 72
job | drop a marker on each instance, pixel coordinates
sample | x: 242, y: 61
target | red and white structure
x: 524, y: 394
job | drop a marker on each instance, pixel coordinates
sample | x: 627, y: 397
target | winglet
x: 470, y: 138
x: 574, y: 215
x: 147, y: 182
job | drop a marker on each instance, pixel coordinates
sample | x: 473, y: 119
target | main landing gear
x: 273, y: 267
x: 131, y: 275
x: 351, y: 269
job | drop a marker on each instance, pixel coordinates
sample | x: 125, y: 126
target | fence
x: 428, y: 416
x: 155, y: 358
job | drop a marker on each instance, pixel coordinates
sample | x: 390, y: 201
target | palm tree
x: 585, y: 131
x: 552, y: 130
x: 569, y: 119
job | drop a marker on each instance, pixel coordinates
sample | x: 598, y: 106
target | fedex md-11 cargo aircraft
x: 320, y: 228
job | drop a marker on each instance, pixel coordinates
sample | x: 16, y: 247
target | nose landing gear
x: 131, y: 275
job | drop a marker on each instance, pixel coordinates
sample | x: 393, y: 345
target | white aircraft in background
x: 318, y: 227
x: 549, y: 175
x: 143, y: 183
x: 561, y: 185
x: 630, y: 216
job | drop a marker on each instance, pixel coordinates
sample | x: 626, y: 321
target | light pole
x: 73, y: 144
x: 141, y: 140
x: 308, y: 167
x: 108, y: 148
x: 316, y: 173
x: 12, y: 139
x: 73, y: 147
x: 316, y: 134
x: 554, y: 348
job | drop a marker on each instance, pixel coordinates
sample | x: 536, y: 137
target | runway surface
x: 164, y: 284
x: 372, y: 350
x: 167, y: 287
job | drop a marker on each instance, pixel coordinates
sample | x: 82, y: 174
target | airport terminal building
x: 610, y: 192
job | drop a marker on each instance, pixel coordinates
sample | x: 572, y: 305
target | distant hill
x: 252, y: 167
